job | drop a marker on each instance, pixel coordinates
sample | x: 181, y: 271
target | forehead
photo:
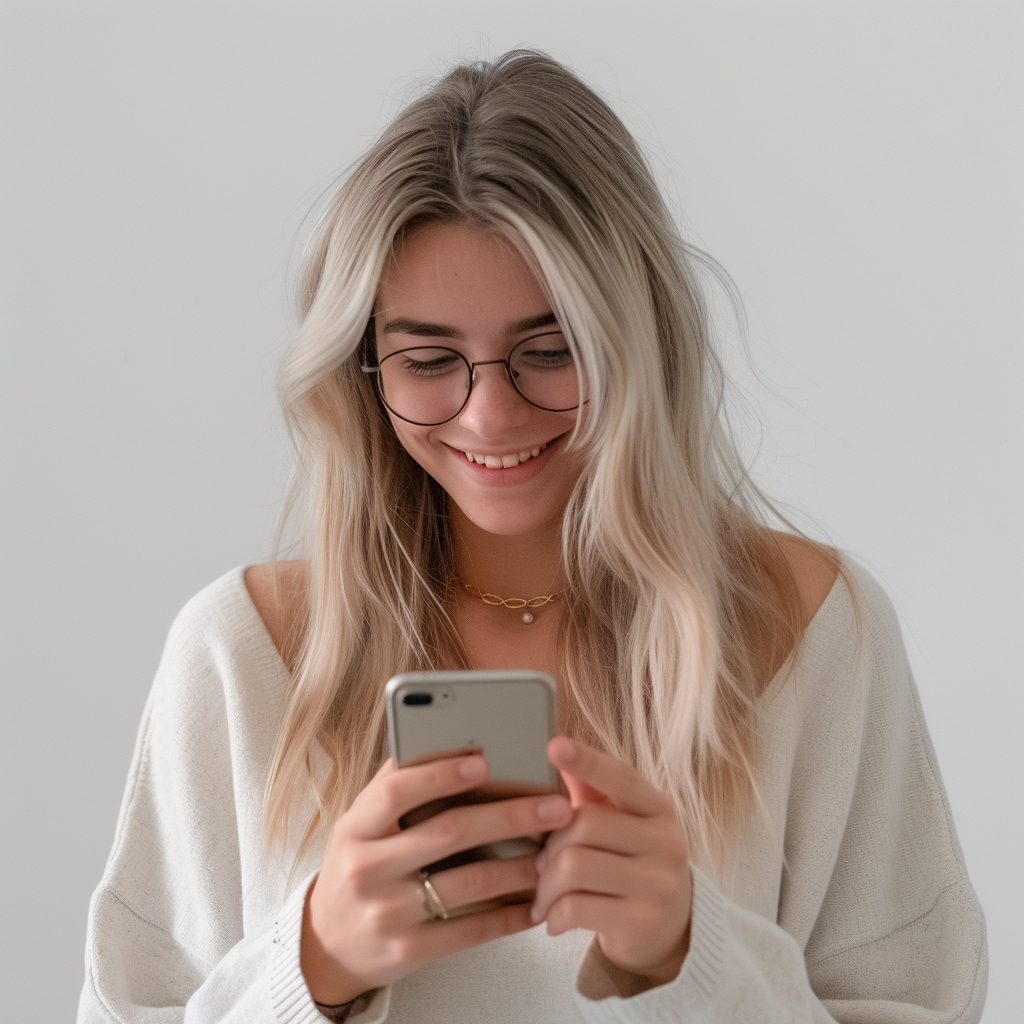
x: 453, y: 273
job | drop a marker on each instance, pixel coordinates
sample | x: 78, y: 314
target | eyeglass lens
x: 430, y: 384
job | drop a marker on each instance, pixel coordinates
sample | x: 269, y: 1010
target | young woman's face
x: 461, y: 288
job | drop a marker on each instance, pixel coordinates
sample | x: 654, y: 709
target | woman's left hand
x: 620, y: 868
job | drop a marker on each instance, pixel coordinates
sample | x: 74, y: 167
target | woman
x: 503, y: 388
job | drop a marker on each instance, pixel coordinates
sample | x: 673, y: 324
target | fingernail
x: 473, y: 767
x: 553, y: 809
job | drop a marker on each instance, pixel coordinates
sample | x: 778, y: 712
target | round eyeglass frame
x: 507, y: 362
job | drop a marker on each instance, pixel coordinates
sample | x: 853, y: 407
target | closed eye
x: 435, y: 366
x: 545, y: 352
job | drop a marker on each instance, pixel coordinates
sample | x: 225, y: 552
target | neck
x: 521, y: 566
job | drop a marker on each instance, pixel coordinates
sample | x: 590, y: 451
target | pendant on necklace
x: 527, y: 617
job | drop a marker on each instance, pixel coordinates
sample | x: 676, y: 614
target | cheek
x: 410, y: 437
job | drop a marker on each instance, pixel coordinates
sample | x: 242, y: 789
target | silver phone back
x: 509, y: 715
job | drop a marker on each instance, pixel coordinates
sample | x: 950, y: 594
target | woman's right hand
x: 365, y: 924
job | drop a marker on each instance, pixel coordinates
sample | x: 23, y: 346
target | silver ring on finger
x: 432, y: 903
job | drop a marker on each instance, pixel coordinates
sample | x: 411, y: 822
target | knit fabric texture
x: 853, y: 905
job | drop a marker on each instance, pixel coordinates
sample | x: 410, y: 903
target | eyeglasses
x: 430, y: 384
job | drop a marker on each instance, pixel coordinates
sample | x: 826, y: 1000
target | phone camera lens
x: 417, y: 699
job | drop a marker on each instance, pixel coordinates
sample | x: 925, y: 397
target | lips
x: 500, y: 475
x: 506, y: 461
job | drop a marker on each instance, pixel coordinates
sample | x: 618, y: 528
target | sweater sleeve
x: 188, y: 924
x: 877, y: 922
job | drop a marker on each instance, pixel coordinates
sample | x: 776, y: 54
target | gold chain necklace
x: 515, y: 603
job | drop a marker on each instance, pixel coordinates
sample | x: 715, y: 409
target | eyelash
x: 430, y: 367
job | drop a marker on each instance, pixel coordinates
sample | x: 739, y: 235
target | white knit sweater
x: 864, y: 913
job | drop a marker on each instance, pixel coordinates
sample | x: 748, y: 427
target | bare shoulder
x: 278, y: 590
x: 815, y: 568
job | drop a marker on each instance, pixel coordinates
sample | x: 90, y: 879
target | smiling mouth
x: 504, y: 461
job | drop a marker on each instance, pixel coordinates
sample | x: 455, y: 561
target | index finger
x: 393, y: 791
x: 621, y: 783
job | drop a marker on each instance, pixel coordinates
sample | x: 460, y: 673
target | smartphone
x: 506, y: 715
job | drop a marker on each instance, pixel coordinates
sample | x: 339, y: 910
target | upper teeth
x: 504, y: 461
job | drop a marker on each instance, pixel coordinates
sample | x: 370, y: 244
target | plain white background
x: 856, y: 167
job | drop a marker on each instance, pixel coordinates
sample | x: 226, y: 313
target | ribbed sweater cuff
x: 289, y: 993
x: 693, y: 989
x: 703, y: 966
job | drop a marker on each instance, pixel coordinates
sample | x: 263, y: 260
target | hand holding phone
x: 365, y: 924
x: 508, y: 716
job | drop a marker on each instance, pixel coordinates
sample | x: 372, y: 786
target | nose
x: 494, y: 407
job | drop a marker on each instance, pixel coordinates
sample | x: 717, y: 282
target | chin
x: 510, y: 522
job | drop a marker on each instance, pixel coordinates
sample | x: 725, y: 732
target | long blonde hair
x: 677, y: 595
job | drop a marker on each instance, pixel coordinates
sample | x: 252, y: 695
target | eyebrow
x: 403, y: 325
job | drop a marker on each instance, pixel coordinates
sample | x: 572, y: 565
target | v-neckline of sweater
x: 768, y: 694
